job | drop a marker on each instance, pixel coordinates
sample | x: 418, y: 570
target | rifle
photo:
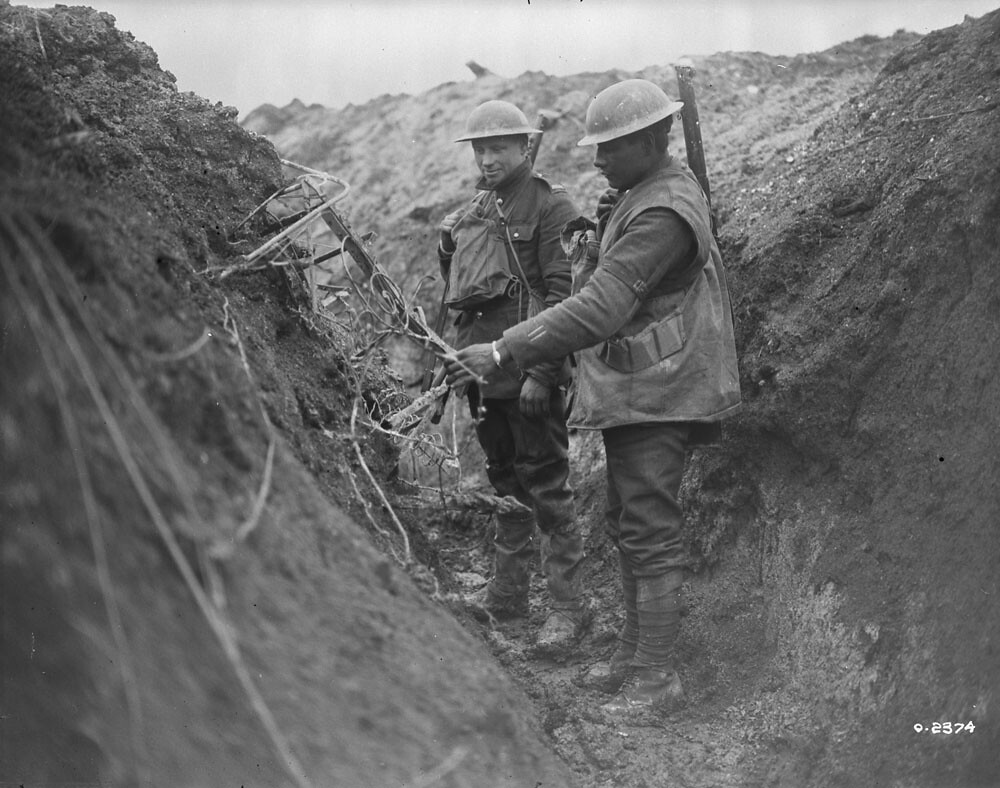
x: 428, y: 381
x: 710, y: 433
x: 692, y: 133
x: 546, y: 120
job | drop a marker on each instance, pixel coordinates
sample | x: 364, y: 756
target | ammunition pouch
x: 659, y: 340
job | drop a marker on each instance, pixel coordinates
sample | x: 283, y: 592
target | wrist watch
x: 496, y: 354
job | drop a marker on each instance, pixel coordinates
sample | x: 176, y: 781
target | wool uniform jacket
x: 654, y: 342
x: 533, y: 213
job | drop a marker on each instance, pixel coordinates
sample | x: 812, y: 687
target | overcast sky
x: 333, y: 52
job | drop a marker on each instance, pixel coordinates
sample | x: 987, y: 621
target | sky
x: 245, y: 53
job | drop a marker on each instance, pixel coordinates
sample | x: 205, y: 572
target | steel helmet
x: 626, y: 107
x: 495, y: 119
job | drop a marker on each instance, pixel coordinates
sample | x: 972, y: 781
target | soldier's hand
x: 535, y: 398
x: 606, y: 202
x: 446, y: 226
x: 472, y: 364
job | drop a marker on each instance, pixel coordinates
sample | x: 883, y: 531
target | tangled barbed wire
x: 356, y: 304
x: 345, y: 283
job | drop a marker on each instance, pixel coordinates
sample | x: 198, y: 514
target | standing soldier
x: 651, y: 323
x: 503, y: 260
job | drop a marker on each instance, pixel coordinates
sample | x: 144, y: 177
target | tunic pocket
x: 479, y: 270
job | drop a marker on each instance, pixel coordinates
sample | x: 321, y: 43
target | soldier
x: 502, y: 256
x: 651, y: 325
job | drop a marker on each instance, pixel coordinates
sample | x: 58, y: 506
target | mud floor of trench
x: 714, y: 740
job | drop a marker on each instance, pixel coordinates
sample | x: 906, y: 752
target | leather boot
x: 562, y: 631
x: 505, y: 596
x: 649, y: 689
x: 609, y: 676
x: 655, y: 684
x: 571, y: 611
x: 488, y: 602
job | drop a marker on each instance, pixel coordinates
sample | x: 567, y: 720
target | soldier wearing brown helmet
x: 503, y: 259
x: 651, y: 326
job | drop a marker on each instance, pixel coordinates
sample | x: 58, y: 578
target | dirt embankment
x: 189, y: 598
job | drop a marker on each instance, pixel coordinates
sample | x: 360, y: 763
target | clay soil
x: 218, y: 571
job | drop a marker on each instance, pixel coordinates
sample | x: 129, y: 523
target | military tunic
x: 651, y: 325
x: 526, y: 457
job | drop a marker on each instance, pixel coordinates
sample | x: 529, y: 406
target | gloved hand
x: 446, y: 226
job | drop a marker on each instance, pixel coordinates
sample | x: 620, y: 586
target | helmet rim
x: 498, y: 118
x: 636, y: 92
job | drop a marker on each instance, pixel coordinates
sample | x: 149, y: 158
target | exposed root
x: 250, y: 523
x: 38, y: 34
x: 406, y: 558
x: 48, y: 349
x: 222, y: 549
x: 184, y: 353
x: 366, y: 505
x: 448, y: 765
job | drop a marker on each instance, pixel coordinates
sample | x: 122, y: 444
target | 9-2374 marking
x: 945, y: 727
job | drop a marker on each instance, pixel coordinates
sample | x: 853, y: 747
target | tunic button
x: 517, y: 235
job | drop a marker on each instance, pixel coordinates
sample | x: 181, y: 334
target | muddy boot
x: 563, y: 629
x: 609, y: 676
x: 505, y: 596
x: 490, y: 602
x: 655, y: 684
x: 649, y: 689
x: 571, y: 611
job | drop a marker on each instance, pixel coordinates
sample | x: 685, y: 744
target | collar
x: 509, y: 184
x: 665, y: 164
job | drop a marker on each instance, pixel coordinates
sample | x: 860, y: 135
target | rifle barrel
x: 692, y: 128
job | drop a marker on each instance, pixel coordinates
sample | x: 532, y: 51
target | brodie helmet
x: 495, y: 119
x: 626, y: 107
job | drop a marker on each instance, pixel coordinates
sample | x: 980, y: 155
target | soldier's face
x: 622, y: 161
x: 498, y: 157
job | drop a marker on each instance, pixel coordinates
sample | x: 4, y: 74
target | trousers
x: 527, y: 458
x: 645, y: 464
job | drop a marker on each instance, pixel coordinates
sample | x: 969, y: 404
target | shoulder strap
x: 532, y: 292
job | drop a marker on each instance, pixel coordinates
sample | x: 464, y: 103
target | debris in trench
x: 478, y: 70
x: 347, y: 288
x: 323, y: 255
